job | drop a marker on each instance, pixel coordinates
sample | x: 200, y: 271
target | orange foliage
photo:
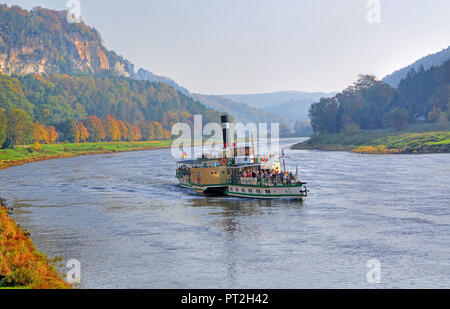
x: 123, y: 130
x: 95, y: 128
x: 40, y: 133
x: 83, y: 133
x: 134, y: 132
x: 167, y: 134
x: 21, y: 265
x: 52, y: 135
x: 112, y: 128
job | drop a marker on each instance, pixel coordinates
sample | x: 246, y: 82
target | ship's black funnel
x: 225, y: 128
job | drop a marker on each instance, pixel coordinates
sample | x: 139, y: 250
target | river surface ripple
x: 129, y: 224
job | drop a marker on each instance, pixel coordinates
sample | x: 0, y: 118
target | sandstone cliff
x: 42, y: 41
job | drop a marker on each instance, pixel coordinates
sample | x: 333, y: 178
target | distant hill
x: 288, y: 105
x: 241, y: 112
x: 264, y: 100
x: 426, y: 62
x: 149, y: 76
x: 292, y: 110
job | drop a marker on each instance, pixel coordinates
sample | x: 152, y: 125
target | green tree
x: 397, y: 118
x: 70, y: 131
x: 19, y: 127
x: 351, y: 129
x: 2, y: 127
x: 435, y: 114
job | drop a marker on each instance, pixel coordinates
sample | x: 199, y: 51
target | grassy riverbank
x: 26, y: 154
x: 21, y: 265
x: 383, y: 142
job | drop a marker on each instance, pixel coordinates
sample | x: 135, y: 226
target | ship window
x: 251, y: 191
x: 243, y: 190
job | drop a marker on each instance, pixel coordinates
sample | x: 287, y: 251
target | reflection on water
x: 131, y: 226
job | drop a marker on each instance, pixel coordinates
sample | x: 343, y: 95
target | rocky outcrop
x: 57, y: 48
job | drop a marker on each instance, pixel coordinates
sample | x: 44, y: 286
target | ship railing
x: 262, y: 181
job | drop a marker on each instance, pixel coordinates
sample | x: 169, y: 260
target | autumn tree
x: 83, y: 134
x: 156, y: 131
x: 123, y: 130
x: 52, y: 135
x: 167, y: 134
x: 112, y: 129
x: 40, y: 133
x: 95, y: 128
x: 134, y: 132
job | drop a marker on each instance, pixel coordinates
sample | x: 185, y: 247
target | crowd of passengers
x: 274, y: 176
x: 184, y: 171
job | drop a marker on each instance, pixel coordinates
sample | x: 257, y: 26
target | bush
x: 67, y: 149
x: 36, y: 147
x: 351, y: 129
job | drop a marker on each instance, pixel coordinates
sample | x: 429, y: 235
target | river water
x: 130, y: 226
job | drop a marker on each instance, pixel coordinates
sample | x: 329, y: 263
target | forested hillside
x: 426, y: 63
x: 63, y: 102
x: 371, y: 104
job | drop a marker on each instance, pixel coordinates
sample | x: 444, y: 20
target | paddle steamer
x: 243, y: 174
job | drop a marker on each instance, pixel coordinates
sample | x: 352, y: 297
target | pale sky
x: 253, y: 46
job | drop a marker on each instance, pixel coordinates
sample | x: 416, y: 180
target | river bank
x: 381, y: 142
x: 21, y: 264
x: 33, y: 153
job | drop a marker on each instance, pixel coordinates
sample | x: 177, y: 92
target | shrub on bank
x: 380, y: 149
x: 21, y: 265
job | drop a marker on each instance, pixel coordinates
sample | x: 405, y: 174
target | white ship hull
x: 254, y: 192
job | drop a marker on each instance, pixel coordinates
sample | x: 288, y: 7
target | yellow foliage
x: 380, y: 149
x: 21, y: 265
x: 37, y: 147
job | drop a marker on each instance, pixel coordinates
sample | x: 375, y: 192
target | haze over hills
x: 427, y: 62
x: 293, y: 110
x: 263, y: 100
x: 241, y: 112
x: 291, y: 105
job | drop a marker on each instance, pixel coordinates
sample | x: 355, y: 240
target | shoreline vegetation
x: 422, y: 139
x: 21, y: 264
x: 32, y: 153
